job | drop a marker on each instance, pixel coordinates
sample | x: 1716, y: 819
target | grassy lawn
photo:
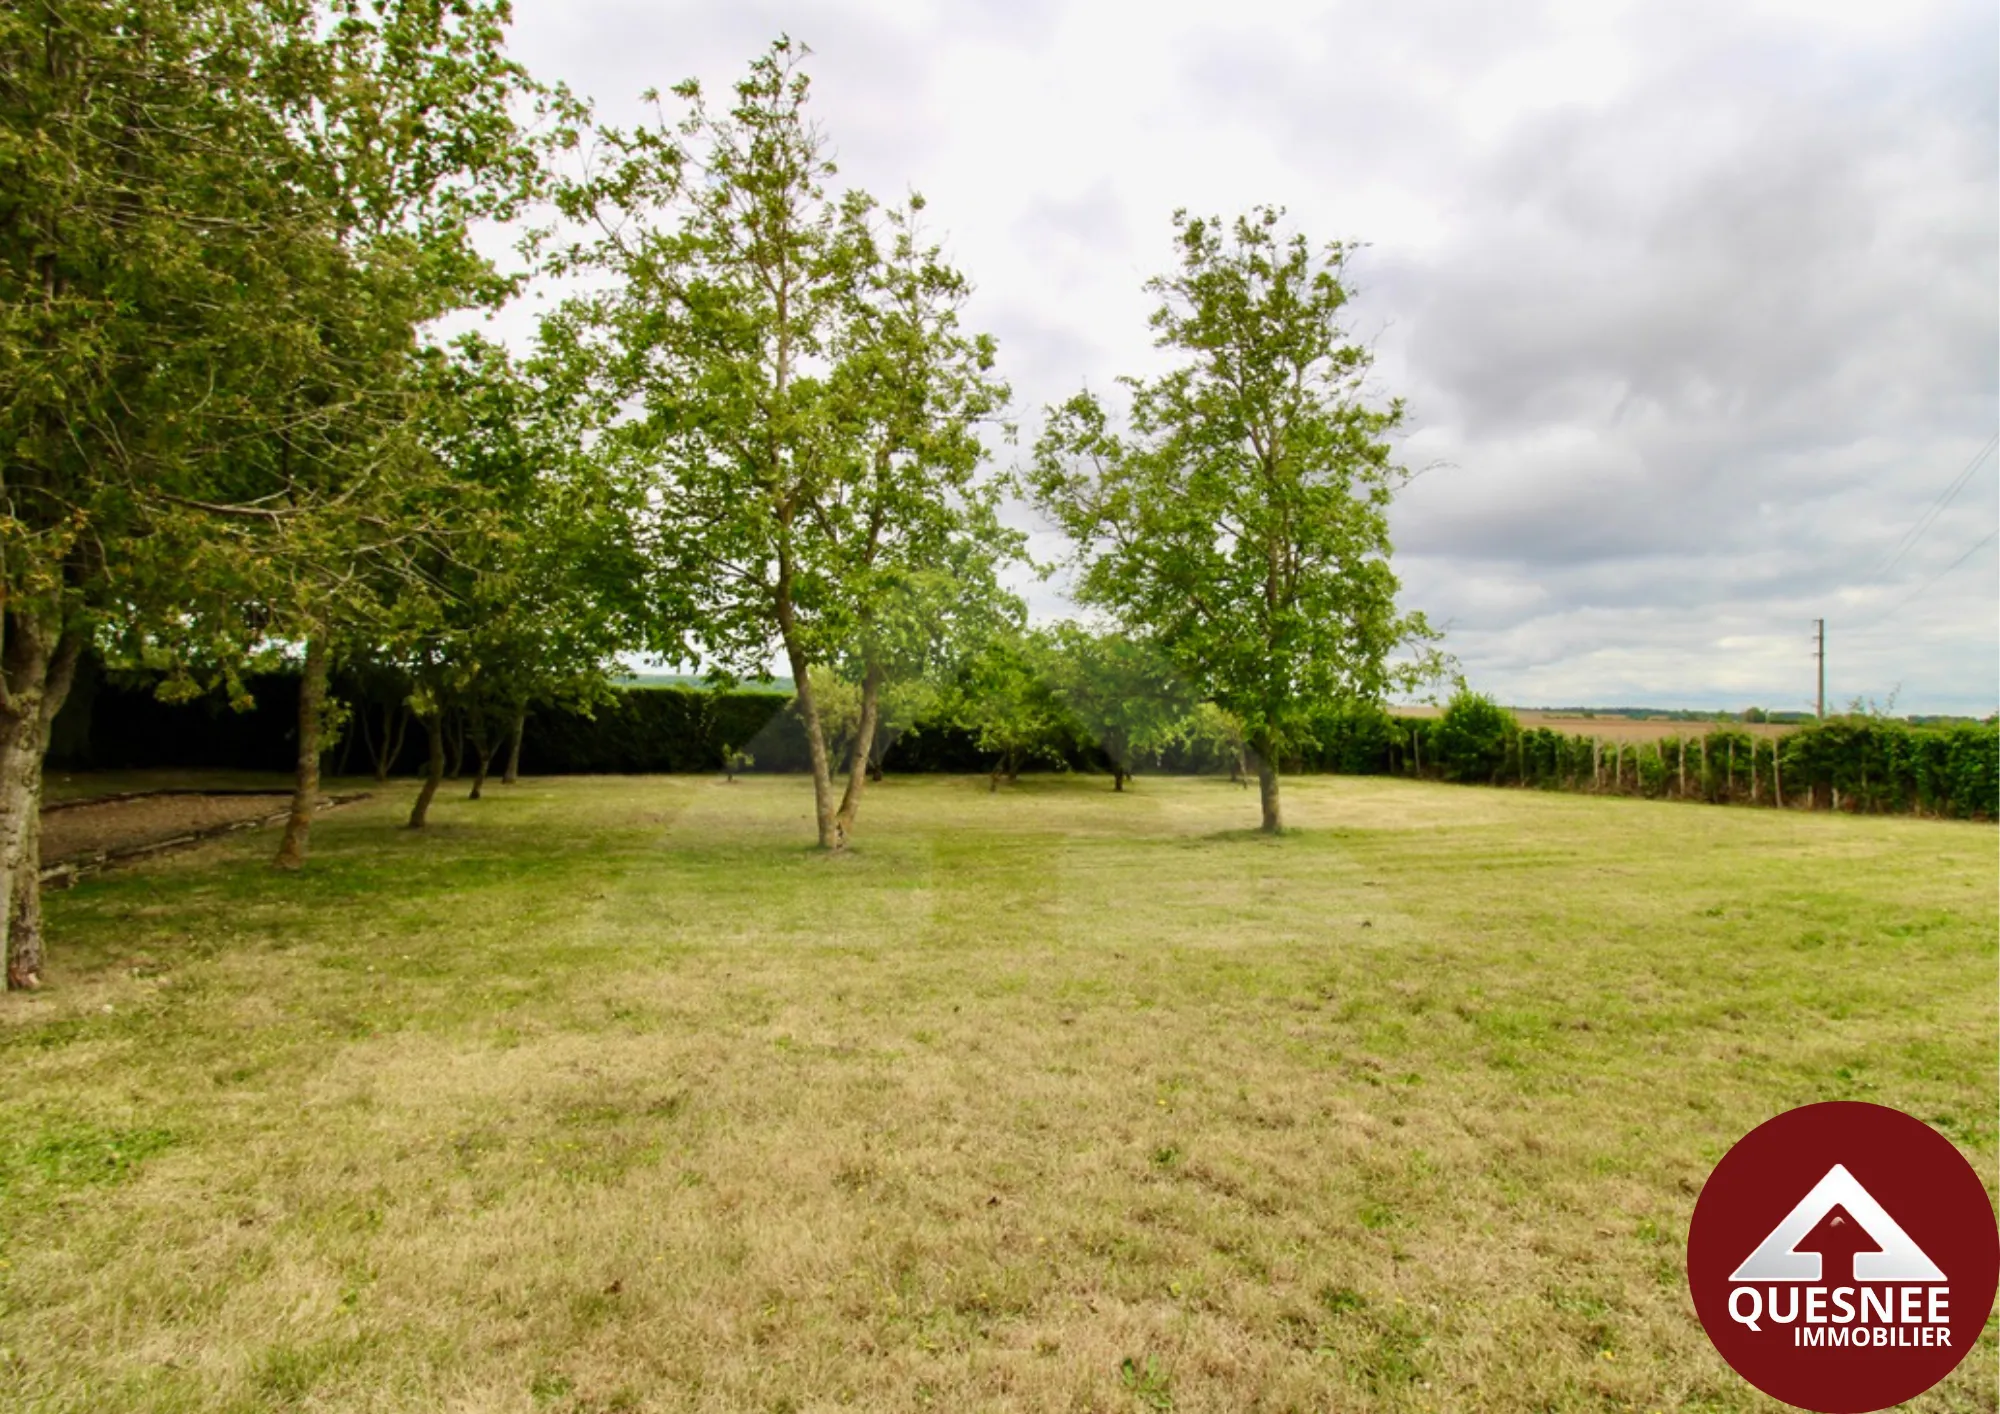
x: 608, y: 1094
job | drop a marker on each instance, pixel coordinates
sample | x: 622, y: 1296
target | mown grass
x: 609, y: 1095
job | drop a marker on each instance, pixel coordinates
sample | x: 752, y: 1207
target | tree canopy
x: 807, y: 407
x: 1239, y: 522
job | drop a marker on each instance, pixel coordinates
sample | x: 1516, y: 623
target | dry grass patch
x: 610, y: 1095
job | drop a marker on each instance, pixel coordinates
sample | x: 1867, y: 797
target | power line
x: 1983, y: 542
x: 1929, y: 517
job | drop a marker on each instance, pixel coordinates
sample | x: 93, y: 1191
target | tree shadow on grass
x: 1251, y: 835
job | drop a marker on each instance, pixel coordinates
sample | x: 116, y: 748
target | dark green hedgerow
x: 1868, y: 764
x: 1861, y: 764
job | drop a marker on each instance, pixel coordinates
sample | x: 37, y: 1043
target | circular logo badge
x: 1843, y: 1257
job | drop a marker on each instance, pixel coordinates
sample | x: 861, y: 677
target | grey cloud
x: 1090, y: 220
x: 1695, y: 350
x: 1695, y: 356
x: 615, y: 49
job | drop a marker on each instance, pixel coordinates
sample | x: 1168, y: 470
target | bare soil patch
x: 97, y: 827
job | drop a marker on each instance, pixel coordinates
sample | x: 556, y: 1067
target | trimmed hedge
x: 111, y: 724
x: 644, y: 730
x: 1861, y: 764
x: 1857, y: 764
x: 121, y: 725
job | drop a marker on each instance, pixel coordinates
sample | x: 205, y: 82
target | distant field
x: 1617, y: 728
x: 606, y: 1094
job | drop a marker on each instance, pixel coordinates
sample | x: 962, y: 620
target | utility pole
x: 1820, y: 654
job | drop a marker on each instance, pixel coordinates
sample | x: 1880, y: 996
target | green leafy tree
x: 1212, y: 734
x: 540, y: 604
x: 377, y: 691
x: 160, y: 259
x: 220, y: 222
x: 838, y: 701
x: 806, y: 405
x: 1005, y: 698
x: 1239, y: 526
x: 1121, y: 692
x: 525, y: 592
x: 927, y: 618
x: 405, y: 110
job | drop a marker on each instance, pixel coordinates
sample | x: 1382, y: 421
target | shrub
x: 1350, y: 738
x: 1474, y: 738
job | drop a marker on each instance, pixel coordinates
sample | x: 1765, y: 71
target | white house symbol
x: 1776, y: 1257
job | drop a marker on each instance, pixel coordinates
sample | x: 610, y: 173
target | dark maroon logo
x: 1843, y: 1257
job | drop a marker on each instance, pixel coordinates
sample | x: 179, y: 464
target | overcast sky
x: 1695, y: 305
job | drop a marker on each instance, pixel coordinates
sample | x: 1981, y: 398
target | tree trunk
x: 346, y: 753
x: 1267, y: 791
x: 434, y: 771
x: 483, y: 753
x: 20, y: 852
x: 455, y: 743
x: 394, y: 724
x: 826, y: 811
x: 37, y: 665
x: 395, y: 743
x: 1117, y: 778
x: 24, y: 902
x: 514, y: 747
x: 368, y: 738
x: 393, y: 727
x: 305, y: 790
x: 863, y: 748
